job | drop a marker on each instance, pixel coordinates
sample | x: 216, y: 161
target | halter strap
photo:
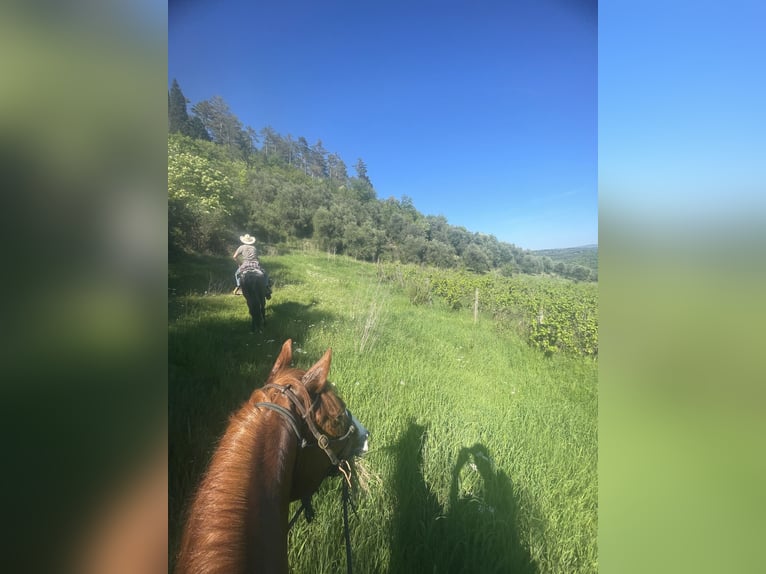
x: 323, y: 441
x: 288, y: 416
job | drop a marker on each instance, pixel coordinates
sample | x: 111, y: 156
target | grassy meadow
x: 483, y: 451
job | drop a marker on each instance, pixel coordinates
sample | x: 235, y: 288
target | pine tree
x: 220, y: 122
x: 196, y: 129
x: 178, y: 118
x: 336, y: 168
x: 318, y: 163
x: 361, y: 171
x: 224, y: 127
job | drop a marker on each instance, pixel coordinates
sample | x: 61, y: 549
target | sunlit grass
x: 483, y: 451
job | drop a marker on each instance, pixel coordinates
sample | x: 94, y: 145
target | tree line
x: 225, y: 178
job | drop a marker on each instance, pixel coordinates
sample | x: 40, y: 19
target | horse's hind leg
x: 257, y: 318
x: 253, y: 316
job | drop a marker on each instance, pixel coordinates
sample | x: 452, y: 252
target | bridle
x: 323, y: 441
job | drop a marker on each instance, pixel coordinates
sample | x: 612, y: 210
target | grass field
x: 483, y: 452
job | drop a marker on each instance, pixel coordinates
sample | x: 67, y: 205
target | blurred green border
x: 83, y: 151
x: 681, y: 290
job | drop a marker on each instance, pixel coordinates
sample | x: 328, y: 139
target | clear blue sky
x: 682, y: 112
x: 484, y: 112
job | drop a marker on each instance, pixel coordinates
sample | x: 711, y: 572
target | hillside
x: 483, y: 449
x: 586, y: 255
x: 225, y: 179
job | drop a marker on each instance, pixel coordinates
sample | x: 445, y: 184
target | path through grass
x: 483, y: 451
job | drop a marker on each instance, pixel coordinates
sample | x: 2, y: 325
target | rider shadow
x: 475, y: 532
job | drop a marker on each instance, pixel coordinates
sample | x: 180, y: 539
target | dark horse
x: 255, y: 288
x: 280, y: 445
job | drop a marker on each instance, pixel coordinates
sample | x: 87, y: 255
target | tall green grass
x: 483, y: 451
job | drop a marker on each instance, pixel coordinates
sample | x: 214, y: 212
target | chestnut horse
x: 280, y: 445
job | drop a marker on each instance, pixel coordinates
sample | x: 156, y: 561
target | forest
x: 585, y: 255
x: 225, y: 179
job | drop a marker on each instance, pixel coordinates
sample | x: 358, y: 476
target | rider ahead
x: 250, y: 262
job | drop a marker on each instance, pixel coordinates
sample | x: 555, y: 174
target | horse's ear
x: 284, y: 358
x: 315, y: 378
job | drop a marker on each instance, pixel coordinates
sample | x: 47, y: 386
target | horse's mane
x: 215, y: 539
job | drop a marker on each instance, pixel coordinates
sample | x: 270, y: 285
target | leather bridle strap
x: 322, y: 439
x: 288, y: 416
x: 324, y: 443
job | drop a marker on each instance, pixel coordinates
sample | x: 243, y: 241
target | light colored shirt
x: 247, y: 252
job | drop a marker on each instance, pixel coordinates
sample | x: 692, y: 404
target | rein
x: 324, y: 443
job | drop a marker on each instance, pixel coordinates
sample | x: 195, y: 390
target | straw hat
x: 247, y: 239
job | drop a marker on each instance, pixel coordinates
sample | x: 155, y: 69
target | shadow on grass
x: 477, y: 532
x: 292, y: 320
x: 213, y: 274
x: 193, y: 273
x: 281, y: 275
x: 215, y: 362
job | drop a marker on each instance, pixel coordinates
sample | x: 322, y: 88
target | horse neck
x: 238, y: 522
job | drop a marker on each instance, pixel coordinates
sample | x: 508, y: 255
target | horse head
x: 279, y: 446
x: 329, y: 434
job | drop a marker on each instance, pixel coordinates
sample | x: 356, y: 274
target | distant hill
x: 287, y: 192
x: 587, y: 255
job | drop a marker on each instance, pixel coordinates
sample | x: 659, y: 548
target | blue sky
x: 682, y: 112
x: 484, y: 112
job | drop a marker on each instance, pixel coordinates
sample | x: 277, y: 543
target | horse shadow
x: 280, y: 274
x: 214, y: 274
x: 474, y: 532
x: 293, y: 320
